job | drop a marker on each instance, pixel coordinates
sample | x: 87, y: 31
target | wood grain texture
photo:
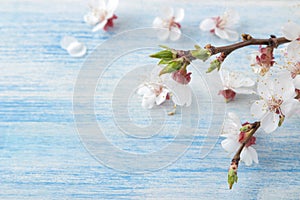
x: 41, y: 153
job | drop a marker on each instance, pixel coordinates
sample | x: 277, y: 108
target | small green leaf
x: 232, y: 178
x: 201, y: 54
x: 164, y: 47
x: 164, y: 54
x: 164, y: 61
x: 171, y: 67
x: 215, y: 64
x: 197, y: 46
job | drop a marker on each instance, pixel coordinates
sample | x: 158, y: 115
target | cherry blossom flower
x: 235, y: 137
x: 153, y: 93
x: 277, y: 101
x: 165, y: 87
x: 169, y: 24
x: 291, y: 31
x: 262, y: 60
x: 101, y: 15
x: 234, y: 83
x: 223, y: 26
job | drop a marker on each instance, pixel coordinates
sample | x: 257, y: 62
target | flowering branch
x: 247, y: 41
x: 175, y: 59
x: 249, y: 129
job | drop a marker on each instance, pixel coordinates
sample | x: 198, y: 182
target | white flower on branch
x: 291, y: 31
x: 101, y: 15
x: 277, y: 101
x: 169, y: 24
x: 235, y: 83
x: 223, y: 26
x: 235, y: 137
x: 165, y: 87
x: 153, y: 93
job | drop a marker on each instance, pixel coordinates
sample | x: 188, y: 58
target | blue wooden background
x: 43, y: 157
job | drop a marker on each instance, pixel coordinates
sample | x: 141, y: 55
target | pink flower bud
x: 228, y: 94
x: 181, y: 76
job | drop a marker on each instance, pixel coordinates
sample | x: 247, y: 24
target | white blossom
x: 231, y: 131
x: 223, y: 26
x: 235, y: 83
x: 291, y: 31
x: 277, y: 101
x: 101, y: 14
x: 169, y: 24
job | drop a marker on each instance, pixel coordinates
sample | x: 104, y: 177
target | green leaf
x: 171, y: 67
x: 232, y: 178
x: 164, y: 61
x: 197, y: 46
x: 201, y: 54
x: 164, y: 54
x: 215, y: 64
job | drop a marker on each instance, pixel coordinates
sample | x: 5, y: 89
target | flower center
x: 274, y: 105
x: 172, y: 23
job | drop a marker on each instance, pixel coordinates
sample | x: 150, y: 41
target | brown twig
x: 247, y: 41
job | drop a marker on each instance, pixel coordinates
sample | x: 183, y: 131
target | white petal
x: 175, y: 33
x: 291, y: 31
x: 76, y: 49
x: 167, y: 12
x: 100, y: 26
x: 208, y: 24
x: 293, y: 50
x: 111, y: 7
x: 181, y: 94
x: 284, y: 87
x: 265, y: 88
x: 98, y: 4
x: 232, y: 35
x: 253, y: 154
x: 179, y: 15
x: 297, y: 82
x: 232, y: 18
x: 243, y: 91
x: 235, y: 119
x: 247, y: 82
x: 161, y: 97
x: 148, y: 101
x: 231, y: 125
x: 163, y: 34
x: 270, y: 122
x: 259, y: 109
x: 157, y: 22
x: 144, y: 90
x: 222, y: 33
x: 230, y: 145
x: 246, y: 156
x: 290, y: 107
x: 66, y: 41
x: 91, y: 19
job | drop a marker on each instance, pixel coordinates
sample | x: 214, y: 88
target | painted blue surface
x: 41, y: 153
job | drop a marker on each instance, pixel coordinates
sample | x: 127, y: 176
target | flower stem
x: 232, y: 176
x: 255, y: 126
x: 247, y: 41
